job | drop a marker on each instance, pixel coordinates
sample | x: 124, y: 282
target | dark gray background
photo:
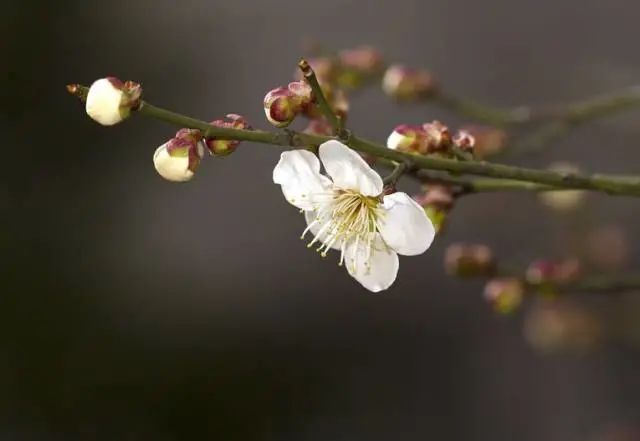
x: 136, y: 309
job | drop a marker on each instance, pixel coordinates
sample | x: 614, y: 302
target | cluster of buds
x: 504, y: 294
x: 178, y: 159
x: 437, y: 200
x: 428, y: 138
x: 469, y: 260
x: 110, y: 100
x: 548, y: 273
x: 223, y: 147
x: 406, y: 84
x: 283, y: 104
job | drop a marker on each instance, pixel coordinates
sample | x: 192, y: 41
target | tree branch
x: 611, y: 184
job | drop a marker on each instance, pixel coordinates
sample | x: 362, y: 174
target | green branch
x: 320, y: 98
x: 611, y: 184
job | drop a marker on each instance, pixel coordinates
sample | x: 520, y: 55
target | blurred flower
x: 109, y: 100
x: 358, y: 65
x: 550, y: 272
x: 488, y: 140
x: 560, y: 325
x: 179, y: 158
x: 406, y: 84
x: 436, y: 200
x: 469, y: 260
x: 349, y: 213
x: 563, y: 200
x: 505, y: 294
x: 223, y: 147
x: 608, y: 247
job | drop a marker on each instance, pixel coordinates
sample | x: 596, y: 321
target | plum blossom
x: 348, y: 212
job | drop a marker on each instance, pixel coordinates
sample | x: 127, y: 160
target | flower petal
x: 348, y: 170
x: 298, y: 172
x: 314, y: 228
x: 404, y: 226
x: 376, y: 273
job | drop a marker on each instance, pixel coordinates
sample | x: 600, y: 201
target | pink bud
x: 364, y: 59
x: 464, y: 141
x: 469, y: 260
x: 405, y: 84
x: 281, y: 106
x: 223, y: 147
x: 505, y: 294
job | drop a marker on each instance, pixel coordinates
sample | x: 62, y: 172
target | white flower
x: 178, y: 159
x: 349, y: 213
x: 107, y: 101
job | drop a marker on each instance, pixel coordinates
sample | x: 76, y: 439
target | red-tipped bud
x: 405, y: 84
x: 223, y: 147
x: 469, y: 260
x: 505, y: 294
x: 464, y: 141
x: 438, y: 136
x: 178, y: 159
x: 281, y: 106
x: 488, y: 140
x: 407, y: 138
x: 110, y: 101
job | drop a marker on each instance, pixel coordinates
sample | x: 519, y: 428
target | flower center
x: 344, y: 218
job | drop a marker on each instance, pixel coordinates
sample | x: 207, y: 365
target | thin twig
x: 321, y: 99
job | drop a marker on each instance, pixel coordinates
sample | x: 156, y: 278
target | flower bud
x: 109, y: 100
x: 542, y: 272
x: 563, y: 201
x: 464, y: 141
x: 405, y: 84
x: 436, y: 200
x: 505, y: 294
x: 469, y: 260
x: 488, y: 140
x: 357, y: 65
x: 179, y: 158
x: 281, y: 106
x: 438, y: 136
x: 223, y: 147
x: 407, y: 138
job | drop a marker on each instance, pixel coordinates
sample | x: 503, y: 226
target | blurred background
x: 136, y: 309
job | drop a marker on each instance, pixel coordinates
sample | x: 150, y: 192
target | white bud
x: 177, y: 165
x: 107, y: 102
